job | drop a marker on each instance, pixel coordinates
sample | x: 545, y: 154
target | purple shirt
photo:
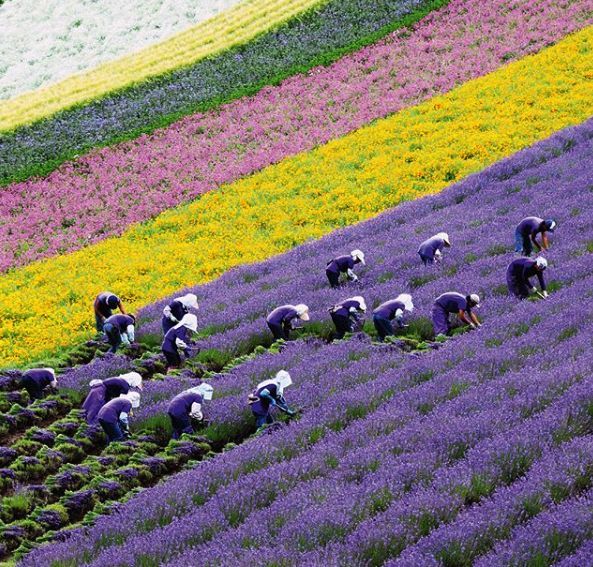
x: 180, y: 405
x: 40, y: 376
x: 170, y: 342
x: 340, y: 264
x: 522, y: 269
x: 453, y: 302
x: 343, y: 308
x: 387, y: 310
x: 263, y: 404
x: 111, y: 411
x: 430, y: 246
x: 530, y: 226
x: 178, y: 310
x: 281, y: 315
x: 120, y: 321
x: 114, y: 387
x: 101, y: 303
x: 94, y: 402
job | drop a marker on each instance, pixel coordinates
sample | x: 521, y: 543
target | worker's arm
x: 121, y: 307
x: 399, y: 318
x: 475, y: 319
x: 545, y: 243
x: 96, y: 308
x: 465, y: 318
x: 534, y: 240
x: 196, y: 411
x: 351, y: 275
x: 267, y: 396
x: 542, y: 282
x: 125, y: 424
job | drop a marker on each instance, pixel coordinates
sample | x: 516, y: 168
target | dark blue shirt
x: 453, y: 302
x: 343, y: 308
x: 530, y: 226
x: 120, y: 321
x: 388, y: 309
x: 522, y: 269
x: 114, y: 387
x: 40, y: 376
x: 181, y: 404
x: 170, y: 343
x: 111, y: 411
x: 283, y: 314
x: 263, y: 404
x: 178, y: 310
x: 340, y: 264
x: 430, y: 246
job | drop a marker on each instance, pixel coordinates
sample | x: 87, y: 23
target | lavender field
x: 478, y: 450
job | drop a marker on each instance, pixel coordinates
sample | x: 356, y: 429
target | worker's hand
x: 290, y: 411
x: 187, y: 353
x: 545, y: 293
x: 353, y: 278
x: 472, y: 325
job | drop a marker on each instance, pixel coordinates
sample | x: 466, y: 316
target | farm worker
x: 36, y: 380
x: 113, y: 416
x: 187, y: 406
x: 344, y: 265
x: 453, y: 302
x: 519, y: 272
x: 280, y: 321
x: 267, y: 394
x: 527, y: 231
x: 174, y: 312
x: 346, y: 314
x: 430, y: 250
x: 103, y: 391
x: 177, y: 338
x: 119, y: 329
x: 104, y: 305
x: 390, y: 310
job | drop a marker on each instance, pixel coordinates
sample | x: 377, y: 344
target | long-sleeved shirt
x: 185, y: 404
x: 388, y: 309
x: 122, y: 322
x: 340, y: 264
x: 430, y: 246
x: 40, y: 376
x: 522, y: 269
x: 344, y: 308
x: 176, y: 337
x: 453, y: 302
x: 114, y: 387
x: 282, y: 315
x: 112, y: 411
x: 530, y: 226
x: 176, y: 309
x: 262, y: 405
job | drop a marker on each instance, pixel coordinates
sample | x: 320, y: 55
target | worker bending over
x: 114, y: 416
x: 281, y: 320
x: 174, y: 312
x: 527, y: 231
x: 119, y: 329
x: 344, y: 265
x: 268, y: 394
x: 178, y: 338
x: 519, y: 273
x: 454, y: 303
x: 347, y: 314
x: 187, y: 406
x: 390, y: 311
x: 104, y: 305
x: 431, y: 250
x: 37, y: 380
x: 103, y: 391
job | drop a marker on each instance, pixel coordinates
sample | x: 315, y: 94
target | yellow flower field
x: 47, y: 305
x: 236, y: 26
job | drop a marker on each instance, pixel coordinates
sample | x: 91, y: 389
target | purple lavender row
x: 316, y: 519
x: 175, y: 533
x: 581, y: 556
x: 563, y: 472
x: 394, y: 477
x: 548, y: 537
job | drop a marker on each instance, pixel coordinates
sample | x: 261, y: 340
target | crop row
x: 304, y: 451
x: 272, y: 211
x: 316, y: 37
x: 67, y: 37
x: 447, y: 48
x: 239, y: 24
